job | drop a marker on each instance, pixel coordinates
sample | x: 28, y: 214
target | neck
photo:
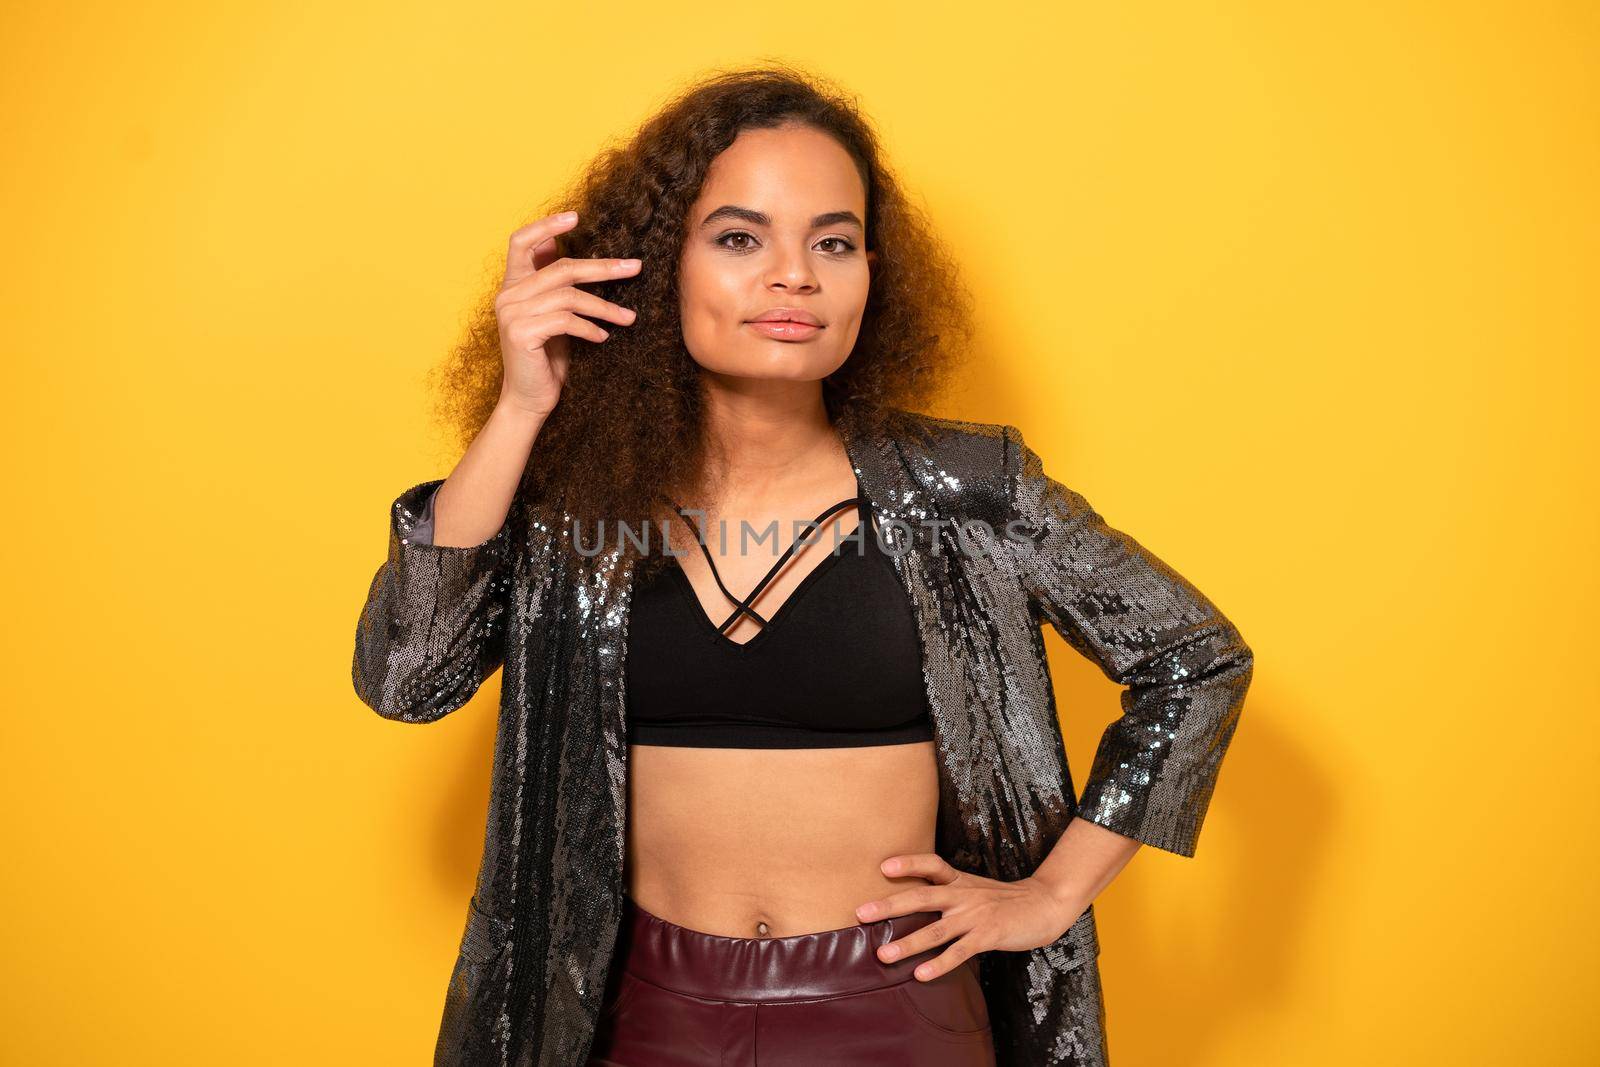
x: 765, y: 439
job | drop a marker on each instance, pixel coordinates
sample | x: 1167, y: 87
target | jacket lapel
x: 932, y: 582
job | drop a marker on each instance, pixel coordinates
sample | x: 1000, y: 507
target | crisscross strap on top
x: 743, y: 606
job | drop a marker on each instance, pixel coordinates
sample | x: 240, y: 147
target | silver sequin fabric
x: 990, y: 550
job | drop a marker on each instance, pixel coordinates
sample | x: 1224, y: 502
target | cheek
x: 862, y: 280
x: 707, y: 295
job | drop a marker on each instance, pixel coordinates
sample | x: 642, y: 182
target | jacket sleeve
x: 1184, y: 667
x: 433, y: 626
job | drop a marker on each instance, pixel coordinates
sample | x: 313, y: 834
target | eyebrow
x: 761, y: 218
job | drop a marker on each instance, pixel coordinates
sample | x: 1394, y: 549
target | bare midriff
x: 774, y: 842
x: 758, y: 842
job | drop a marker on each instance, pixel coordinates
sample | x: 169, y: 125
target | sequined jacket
x: 989, y: 549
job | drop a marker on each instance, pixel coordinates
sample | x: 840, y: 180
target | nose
x: 791, y: 270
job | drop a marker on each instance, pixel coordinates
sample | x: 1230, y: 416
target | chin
x: 788, y: 362
x: 776, y: 361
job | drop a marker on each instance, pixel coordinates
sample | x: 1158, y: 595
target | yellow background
x: 1299, y: 295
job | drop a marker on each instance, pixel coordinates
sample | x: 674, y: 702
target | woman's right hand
x: 539, y: 305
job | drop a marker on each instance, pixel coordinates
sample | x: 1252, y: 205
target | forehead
x: 791, y: 174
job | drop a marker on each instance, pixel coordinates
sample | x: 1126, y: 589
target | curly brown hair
x: 628, y: 429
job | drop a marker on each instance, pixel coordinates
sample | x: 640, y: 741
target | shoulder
x: 970, y: 463
x: 970, y: 446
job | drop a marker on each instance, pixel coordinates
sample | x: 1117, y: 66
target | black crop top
x: 836, y: 665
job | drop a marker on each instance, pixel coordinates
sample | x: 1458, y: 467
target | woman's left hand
x: 981, y: 913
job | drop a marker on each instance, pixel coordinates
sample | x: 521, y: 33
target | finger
x: 905, y: 902
x: 519, y: 251
x: 534, y: 332
x: 568, y: 299
x: 545, y: 253
x: 947, y: 961
x: 578, y: 326
x: 927, y: 865
x: 933, y: 935
x: 567, y: 271
x: 571, y: 271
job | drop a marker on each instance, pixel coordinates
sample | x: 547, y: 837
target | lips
x: 784, y: 329
x: 794, y: 315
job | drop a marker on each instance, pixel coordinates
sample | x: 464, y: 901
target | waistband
x: 766, y: 969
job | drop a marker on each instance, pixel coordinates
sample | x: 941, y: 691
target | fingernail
x: 864, y: 912
x: 567, y: 216
x: 890, y: 866
x: 890, y: 952
x: 923, y: 972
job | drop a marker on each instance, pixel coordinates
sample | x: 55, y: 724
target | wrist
x: 1069, y: 900
x: 510, y: 410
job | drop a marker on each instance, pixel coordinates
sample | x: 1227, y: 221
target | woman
x: 805, y: 803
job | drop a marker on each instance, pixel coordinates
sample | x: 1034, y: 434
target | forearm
x: 1184, y: 667
x: 1082, y: 863
x: 474, y: 500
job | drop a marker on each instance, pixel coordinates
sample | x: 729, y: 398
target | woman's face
x: 778, y: 229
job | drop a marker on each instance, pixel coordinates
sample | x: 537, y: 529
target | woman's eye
x: 748, y: 241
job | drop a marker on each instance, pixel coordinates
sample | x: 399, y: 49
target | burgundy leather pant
x: 682, y: 998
